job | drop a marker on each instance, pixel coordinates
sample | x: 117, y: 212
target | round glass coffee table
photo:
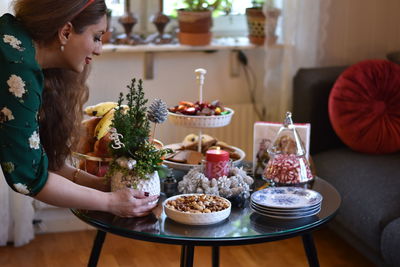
x: 242, y: 227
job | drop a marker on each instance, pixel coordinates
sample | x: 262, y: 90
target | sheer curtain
x: 16, y: 216
x: 298, y: 43
x: 326, y: 33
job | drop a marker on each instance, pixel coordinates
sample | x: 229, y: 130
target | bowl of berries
x: 200, y: 114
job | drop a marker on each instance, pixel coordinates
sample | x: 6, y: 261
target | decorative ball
x: 158, y: 111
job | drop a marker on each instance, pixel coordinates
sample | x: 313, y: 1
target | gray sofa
x: 369, y: 217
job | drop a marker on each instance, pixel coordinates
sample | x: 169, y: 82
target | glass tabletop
x: 243, y: 226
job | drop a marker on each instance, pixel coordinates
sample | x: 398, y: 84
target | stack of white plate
x: 286, y: 202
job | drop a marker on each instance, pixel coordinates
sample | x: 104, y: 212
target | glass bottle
x: 288, y: 164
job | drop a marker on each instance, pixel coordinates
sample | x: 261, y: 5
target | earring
x: 62, y: 48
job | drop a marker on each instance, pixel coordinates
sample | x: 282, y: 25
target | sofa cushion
x: 311, y: 88
x: 369, y: 187
x: 390, y: 243
x: 364, y: 107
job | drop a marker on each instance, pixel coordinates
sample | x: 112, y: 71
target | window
x: 117, y: 7
x: 238, y: 6
x: 233, y: 24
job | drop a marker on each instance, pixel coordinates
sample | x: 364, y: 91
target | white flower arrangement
x: 16, y: 85
x: 14, y: 42
x: 34, y: 141
x: 23, y: 189
x: 6, y: 115
x: 236, y: 184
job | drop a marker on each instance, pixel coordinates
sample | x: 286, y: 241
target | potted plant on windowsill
x: 262, y: 19
x: 195, y: 21
x: 136, y: 157
x: 108, y: 34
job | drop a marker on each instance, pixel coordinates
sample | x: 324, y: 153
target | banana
x: 100, y: 109
x: 124, y: 109
x: 104, y: 124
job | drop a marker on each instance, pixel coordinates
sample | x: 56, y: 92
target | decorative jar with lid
x: 288, y: 164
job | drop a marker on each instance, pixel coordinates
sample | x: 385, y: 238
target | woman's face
x: 80, y: 48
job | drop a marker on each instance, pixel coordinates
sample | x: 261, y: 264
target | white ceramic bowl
x: 201, y: 121
x: 196, y: 218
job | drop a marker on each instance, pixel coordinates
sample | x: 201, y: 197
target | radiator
x: 238, y: 133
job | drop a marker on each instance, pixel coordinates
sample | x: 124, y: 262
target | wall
x: 358, y: 30
x: 174, y: 80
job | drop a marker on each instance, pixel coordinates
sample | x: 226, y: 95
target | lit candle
x: 217, y: 163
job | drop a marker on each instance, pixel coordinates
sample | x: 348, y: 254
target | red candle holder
x: 217, y: 163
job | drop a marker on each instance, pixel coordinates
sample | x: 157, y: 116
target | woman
x: 45, y: 51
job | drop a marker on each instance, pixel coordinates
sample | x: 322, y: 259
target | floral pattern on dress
x: 21, y: 85
x: 16, y: 85
x: 14, y: 42
x: 23, y: 189
x: 8, y: 167
x: 34, y: 141
x: 6, y: 115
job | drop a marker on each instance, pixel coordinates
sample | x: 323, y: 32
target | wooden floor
x: 72, y: 249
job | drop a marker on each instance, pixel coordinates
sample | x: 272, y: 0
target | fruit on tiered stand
x: 200, y: 114
x: 199, y: 108
x: 93, y: 148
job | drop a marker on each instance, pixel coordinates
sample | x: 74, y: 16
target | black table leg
x: 183, y: 255
x: 187, y: 255
x: 310, y: 249
x: 96, y: 249
x: 215, y: 256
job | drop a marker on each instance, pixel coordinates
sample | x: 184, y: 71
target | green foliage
x: 219, y: 7
x: 133, y: 124
x: 109, y: 12
x: 257, y: 3
x: 260, y: 3
x: 199, y: 5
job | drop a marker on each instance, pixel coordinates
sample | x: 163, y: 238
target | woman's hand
x: 131, y: 203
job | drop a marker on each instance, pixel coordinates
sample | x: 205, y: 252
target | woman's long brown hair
x: 64, y: 91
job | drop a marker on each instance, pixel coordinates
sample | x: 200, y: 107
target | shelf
x: 228, y: 43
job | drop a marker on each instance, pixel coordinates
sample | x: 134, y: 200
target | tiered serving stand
x: 201, y: 122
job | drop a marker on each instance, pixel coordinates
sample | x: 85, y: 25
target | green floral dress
x: 22, y: 157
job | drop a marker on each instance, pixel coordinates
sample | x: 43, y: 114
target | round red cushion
x: 364, y: 107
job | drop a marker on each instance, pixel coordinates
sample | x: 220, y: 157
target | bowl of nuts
x: 197, y: 209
